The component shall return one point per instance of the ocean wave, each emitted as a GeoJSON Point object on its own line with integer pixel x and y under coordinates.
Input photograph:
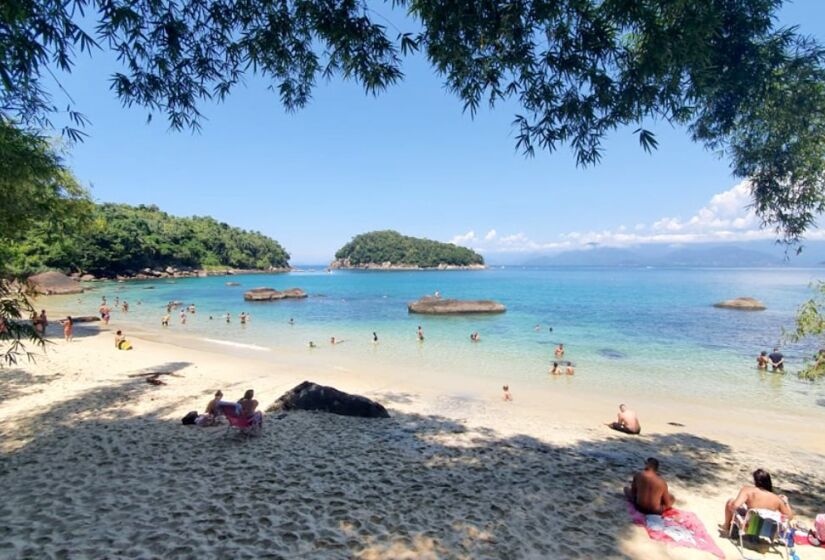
{"type": "Point", "coordinates": [236, 344]}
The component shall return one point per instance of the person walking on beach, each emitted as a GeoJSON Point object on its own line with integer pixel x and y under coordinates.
{"type": "Point", "coordinates": [648, 492]}
{"type": "Point", "coordinates": [626, 422]}
{"type": "Point", "coordinates": [420, 334]}
{"type": "Point", "coordinates": [68, 328]}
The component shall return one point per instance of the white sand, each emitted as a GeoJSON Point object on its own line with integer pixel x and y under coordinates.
{"type": "Point", "coordinates": [96, 464]}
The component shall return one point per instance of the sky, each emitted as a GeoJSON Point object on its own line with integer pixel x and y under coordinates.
{"type": "Point", "coordinates": [408, 159]}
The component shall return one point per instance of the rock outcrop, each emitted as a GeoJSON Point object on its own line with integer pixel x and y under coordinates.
{"type": "Point", "coordinates": [55, 283]}
{"type": "Point", "coordinates": [271, 294]}
{"type": "Point", "coordinates": [741, 304]}
{"type": "Point", "coordinates": [86, 319]}
{"type": "Point", "coordinates": [430, 305]}
{"type": "Point", "coordinates": [311, 396]}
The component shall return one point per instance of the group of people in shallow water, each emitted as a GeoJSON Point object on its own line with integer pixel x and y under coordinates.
{"type": "Point", "coordinates": [775, 360]}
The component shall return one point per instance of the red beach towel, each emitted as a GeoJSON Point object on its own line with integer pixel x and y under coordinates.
{"type": "Point", "coordinates": [676, 527]}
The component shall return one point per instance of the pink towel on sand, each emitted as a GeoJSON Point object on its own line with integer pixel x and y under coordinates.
{"type": "Point", "coordinates": [676, 527]}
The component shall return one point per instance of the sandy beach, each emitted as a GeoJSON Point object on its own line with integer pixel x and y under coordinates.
{"type": "Point", "coordinates": [96, 464]}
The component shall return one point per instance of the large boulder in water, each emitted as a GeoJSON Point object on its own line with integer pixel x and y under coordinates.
{"type": "Point", "coordinates": [55, 283]}
{"type": "Point", "coordinates": [431, 305]}
{"type": "Point", "coordinates": [271, 294]}
{"type": "Point", "coordinates": [311, 396]}
{"type": "Point", "coordinates": [741, 304]}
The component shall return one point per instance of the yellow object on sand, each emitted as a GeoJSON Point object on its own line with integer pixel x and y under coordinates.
{"type": "Point", "coordinates": [124, 345]}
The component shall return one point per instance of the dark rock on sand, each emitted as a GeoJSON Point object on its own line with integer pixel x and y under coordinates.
{"type": "Point", "coordinates": [741, 304]}
{"type": "Point", "coordinates": [55, 283]}
{"type": "Point", "coordinates": [431, 305]}
{"type": "Point", "coordinates": [85, 319]}
{"type": "Point", "coordinates": [311, 396]}
{"type": "Point", "coordinates": [612, 354]}
{"type": "Point", "coordinates": [271, 294]}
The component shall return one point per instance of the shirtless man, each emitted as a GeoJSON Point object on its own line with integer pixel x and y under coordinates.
{"type": "Point", "coordinates": [758, 496]}
{"type": "Point", "coordinates": [560, 351]}
{"type": "Point", "coordinates": [648, 491]}
{"type": "Point", "coordinates": [626, 422]}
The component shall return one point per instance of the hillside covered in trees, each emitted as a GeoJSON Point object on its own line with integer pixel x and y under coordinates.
{"type": "Point", "coordinates": [123, 239]}
{"type": "Point", "coordinates": [374, 249]}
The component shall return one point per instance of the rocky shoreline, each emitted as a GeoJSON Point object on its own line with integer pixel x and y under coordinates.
{"type": "Point", "coordinates": [173, 272]}
{"type": "Point", "coordinates": [345, 264]}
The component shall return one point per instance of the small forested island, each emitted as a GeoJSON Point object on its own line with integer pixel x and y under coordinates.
{"type": "Point", "coordinates": [389, 250]}
{"type": "Point", "coordinates": [119, 240]}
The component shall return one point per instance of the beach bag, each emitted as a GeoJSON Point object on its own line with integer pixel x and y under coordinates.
{"type": "Point", "coordinates": [190, 418]}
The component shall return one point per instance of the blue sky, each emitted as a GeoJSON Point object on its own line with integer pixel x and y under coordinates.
{"type": "Point", "coordinates": [409, 160]}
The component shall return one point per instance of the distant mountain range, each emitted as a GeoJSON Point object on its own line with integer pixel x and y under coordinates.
{"type": "Point", "coordinates": [755, 254]}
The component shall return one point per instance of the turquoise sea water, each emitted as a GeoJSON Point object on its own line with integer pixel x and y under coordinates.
{"type": "Point", "coordinates": [624, 329]}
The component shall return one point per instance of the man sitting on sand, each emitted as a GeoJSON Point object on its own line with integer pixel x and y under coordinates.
{"type": "Point", "coordinates": [758, 496]}
{"type": "Point", "coordinates": [210, 417]}
{"type": "Point", "coordinates": [648, 492]}
{"type": "Point", "coordinates": [626, 422]}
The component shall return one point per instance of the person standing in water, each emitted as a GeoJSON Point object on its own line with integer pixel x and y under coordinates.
{"type": "Point", "coordinates": [374, 337]}
{"type": "Point", "coordinates": [68, 328]}
{"type": "Point", "coordinates": [420, 334]}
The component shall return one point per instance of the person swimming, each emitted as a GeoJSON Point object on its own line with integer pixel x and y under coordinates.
{"type": "Point", "coordinates": [560, 351]}
{"type": "Point", "coordinates": [475, 337]}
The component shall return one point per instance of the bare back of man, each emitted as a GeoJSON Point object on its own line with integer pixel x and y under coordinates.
{"type": "Point", "coordinates": [649, 493]}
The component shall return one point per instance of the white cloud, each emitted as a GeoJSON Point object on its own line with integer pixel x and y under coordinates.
{"type": "Point", "coordinates": [728, 216]}
{"type": "Point", "coordinates": [465, 238]}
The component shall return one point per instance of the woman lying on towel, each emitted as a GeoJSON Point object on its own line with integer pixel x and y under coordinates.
{"type": "Point", "coordinates": [121, 343]}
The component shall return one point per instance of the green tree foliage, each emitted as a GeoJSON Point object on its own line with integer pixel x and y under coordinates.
{"type": "Point", "coordinates": [390, 246]}
{"type": "Point", "coordinates": [810, 323]}
{"type": "Point", "coordinates": [37, 193]}
{"type": "Point", "coordinates": [578, 69]}
{"type": "Point", "coordinates": [126, 239]}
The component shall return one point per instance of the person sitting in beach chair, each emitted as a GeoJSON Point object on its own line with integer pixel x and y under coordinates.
{"type": "Point", "coordinates": [249, 407]}
{"type": "Point", "coordinates": [648, 492]}
{"type": "Point", "coordinates": [759, 497]}
{"type": "Point", "coordinates": [242, 415]}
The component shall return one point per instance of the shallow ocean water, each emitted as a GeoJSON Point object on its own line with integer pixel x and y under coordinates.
{"type": "Point", "coordinates": [635, 329]}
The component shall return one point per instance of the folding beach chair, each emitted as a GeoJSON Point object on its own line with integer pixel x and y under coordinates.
{"type": "Point", "coordinates": [765, 527]}
{"type": "Point", "coordinates": [246, 426]}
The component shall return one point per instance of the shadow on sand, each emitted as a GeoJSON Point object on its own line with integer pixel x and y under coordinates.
{"type": "Point", "coordinates": [94, 479]}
